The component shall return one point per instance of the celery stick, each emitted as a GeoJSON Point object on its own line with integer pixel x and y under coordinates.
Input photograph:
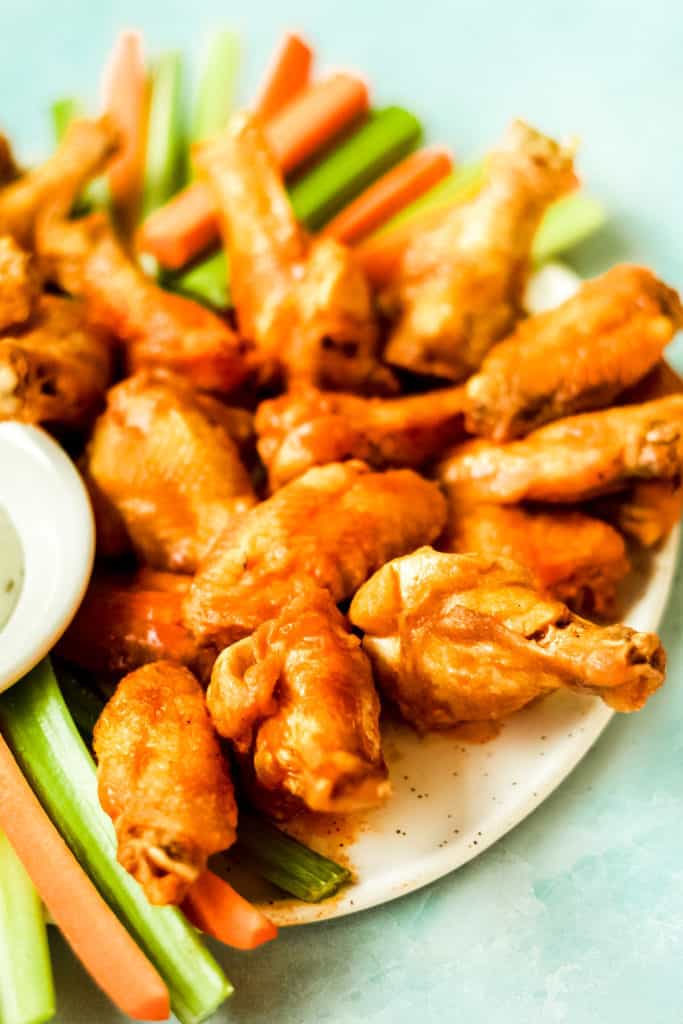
{"type": "Point", "coordinates": [63, 112]}
{"type": "Point", "coordinates": [454, 188]}
{"type": "Point", "coordinates": [165, 160]}
{"type": "Point", "coordinates": [384, 139]}
{"type": "Point", "coordinates": [569, 221]}
{"type": "Point", "coordinates": [84, 704]}
{"type": "Point", "coordinates": [217, 87]}
{"type": "Point", "coordinates": [286, 862]}
{"type": "Point", "coordinates": [27, 993]}
{"type": "Point", "coordinates": [45, 741]}
{"type": "Point", "coordinates": [207, 281]}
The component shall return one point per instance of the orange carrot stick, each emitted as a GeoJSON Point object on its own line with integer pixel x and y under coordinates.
{"type": "Point", "coordinates": [390, 193]}
{"type": "Point", "coordinates": [178, 231]}
{"type": "Point", "coordinates": [93, 931]}
{"type": "Point", "coordinates": [287, 74]}
{"type": "Point", "coordinates": [215, 908]}
{"type": "Point", "coordinates": [124, 89]}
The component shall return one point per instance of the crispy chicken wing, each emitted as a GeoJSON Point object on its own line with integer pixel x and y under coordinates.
{"type": "Point", "coordinates": [128, 620]}
{"type": "Point", "coordinates": [19, 284]}
{"type": "Point", "coordinates": [571, 556]}
{"type": "Point", "coordinates": [56, 370]}
{"type": "Point", "coordinates": [305, 304]}
{"type": "Point", "coordinates": [167, 464]}
{"type": "Point", "coordinates": [157, 328]}
{"type": "Point", "coordinates": [297, 700]}
{"type": "Point", "coordinates": [335, 525]}
{"type": "Point", "coordinates": [162, 779]}
{"type": "Point", "coordinates": [84, 151]}
{"type": "Point", "coordinates": [8, 167]}
{"type": "Point", "coordinates": [461, 283]}
{"type": "Point", "coordinates": [307, 428]}
{"type": "Point", "coordinates": [574, 459]}
{"type": "Point", "coordinates": [576, 357]}
{"type": "Point", "coordinates": [462, 638]}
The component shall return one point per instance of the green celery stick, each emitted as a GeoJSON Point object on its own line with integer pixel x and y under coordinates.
{"type": "Point", "coordinates": [84, 704]}
{"type": "Point", "coordinates": [27, 994]}
{"type": "Point", "coordinates": [165, 160]}
{"type": "Point", "coordinates": [206, 281]}
{"type": "Point", "coordinates": [63, 112]}
{"type": "Point", "coordinates": [52, 755]}
{"type": "Point", "coordinates": [385, 138]}
{"type": "Point", "coordinates": [217, 86]}
{"type": "Point", "coordinates": [567, 222]}
{"type": "Point", "coordinates": [286, 862]}
{"type": "Point", "coordinates": [455, 187]}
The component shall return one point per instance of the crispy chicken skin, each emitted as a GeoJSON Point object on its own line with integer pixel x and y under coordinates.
{"type": "Point", "coordinates": [573, 459]}
{"type": "Point", "coordinates": [576, 357]}
{"type": "Point", "coordinates": [55, 370]}
{"type": "Point", "coordinates": [157, 328]}
{"type": "Point", "coordinates": [571, 556]}
{"type": "Point", "coordinates": [334, 525]}
{"type": "Point", "coordinates": [297, 700]}
{"type": "Point", "coordinates": [19, 284]}
{"type": "Point", "coordinates": [128, 620]}
{"type": "Point", "coordinates": [462, 638]}
{"type": "Point", "coordinates": [169, 468]}
{"type": "Point", "coordinates": [461, 283]}
{"type": "Point", "coordinates": [163, 780]}
{"type": "Point", "coordinates": [306, 305]}
{"type": "Point", "coordinates": [307, 428]}
{"type": "Point", "coordinates": [84, 151]}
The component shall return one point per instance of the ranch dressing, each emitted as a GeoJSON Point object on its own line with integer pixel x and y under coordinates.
{"type": "Point", "coordinates": [11, 567]}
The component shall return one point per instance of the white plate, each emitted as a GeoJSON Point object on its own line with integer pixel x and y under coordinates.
{"type": "Point", "coordinates": [453, 799]}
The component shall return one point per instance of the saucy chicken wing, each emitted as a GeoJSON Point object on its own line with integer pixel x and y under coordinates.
{"type": "Point", "coordinates": [571, 556]}
{"type": "Point", "coordinates": [306, 305]}
{"type": "Point", "coordinates": [461, 283]}
{"type": "Point", "coordinates": [55, 370]}
{"type": "Point", "coordinates": [297, 700]}
{"type": "Point", "coordinates": [307, 428]}
{"type": "Point", "coordinates": [335, 525]}
{"type": "Point", "coordinates": [576, 357]}
{"type": "Point", "coordinates": [84, 151]}
{"type": "Point", "coordinates": [162, 779]}
{"type": "Point", "coordinates": [19, 284]}
{"type": "Point", "coordinates": [164, 460]}
{"type": "Point", "coordinates": [8, 167]}
{"type": "Point", "coordinates": [464, 638]}
{"type": "Point", "coordinates": [574, 459]}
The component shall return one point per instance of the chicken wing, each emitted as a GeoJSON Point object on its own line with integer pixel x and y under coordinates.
{"type": "Point", "coordinates": [8, 167]}
{"type": "Point", "coordinates": [128, 620]}
{"type": "Point", "coordinates": [571, 556]}
{"type": "Point", "coordinates": [335, 525]}
{"type": "Point", "coordinates": [305, 304]}
{"type": "Point", "coordinates": [297, 700]}
{"type": "Point", "coordinates": [574, 459]}
{"type": "Point", "coordinates": [84, 151]}
{"type": "Point", "coordinates": [162, 779]}
{"type": "Point", "coordinates": [56, 370]}
{"type": "Point", "coordinates": [170, 469]}
{"type": "Point", "coordinates": [19, 284]}
{"type": "Point", "coordinates": [307, 428]}
{"type": "Point", "coordinates": [461, 283]}
{"type": "Point", "coordinates": [157, 328]}
{"type": "Point", "coordinates": [463, 638]}
{"type": "Point", "coordinates": [576, 357]}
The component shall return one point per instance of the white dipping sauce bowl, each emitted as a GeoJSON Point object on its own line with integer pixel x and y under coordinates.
{"type": "Point", "coordinates": [44, 496]}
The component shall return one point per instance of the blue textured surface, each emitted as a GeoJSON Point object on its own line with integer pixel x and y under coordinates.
{"type": "Point", "coordinates": [577, 916]}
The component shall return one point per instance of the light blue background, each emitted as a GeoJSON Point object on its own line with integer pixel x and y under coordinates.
{"type": "Point", "coordinates": [577, 916]}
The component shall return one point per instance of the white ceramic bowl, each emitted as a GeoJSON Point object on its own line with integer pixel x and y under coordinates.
{"type": "Point", "coordinates": [44, 496]}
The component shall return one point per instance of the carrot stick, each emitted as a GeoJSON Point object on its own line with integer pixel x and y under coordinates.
{"type": "Point", "coordinates": [287, 74]}
{"type": "Point", "coordinates": [390, 193]}
{"type": "Point", "coordinates": [215, 908]}
{"type": "Point", "coordinates": [124, 89]}
{"type": "Point", "coordinates": [93, 931]}
{"type": "Point", "coordinates": [186, 225]}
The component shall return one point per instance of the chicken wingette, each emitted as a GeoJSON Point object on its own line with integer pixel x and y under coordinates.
{"type": "Point", "coordinates": [305, 304]}
{"type": "Point", "coordinates": [162, 457]}
{"type": "Point", "coordinates": [19, 283]}
{"type": "Point", "coordinates": [460, 286]}
{"type": "Point", "coordinates": [465, 638]}
{"type": "Point", "coordinates": [308, 427]}
{"type": "Point", "coordinates": [335, 526]}
{"type": "Point", "coordinates": [297, 701]}
{"type": "Point", "coordinates": [574, 459]}
{"type": "Point", "coordinates": [163, 780]}
{"type": "Point", "coordinates": [576, 357]}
